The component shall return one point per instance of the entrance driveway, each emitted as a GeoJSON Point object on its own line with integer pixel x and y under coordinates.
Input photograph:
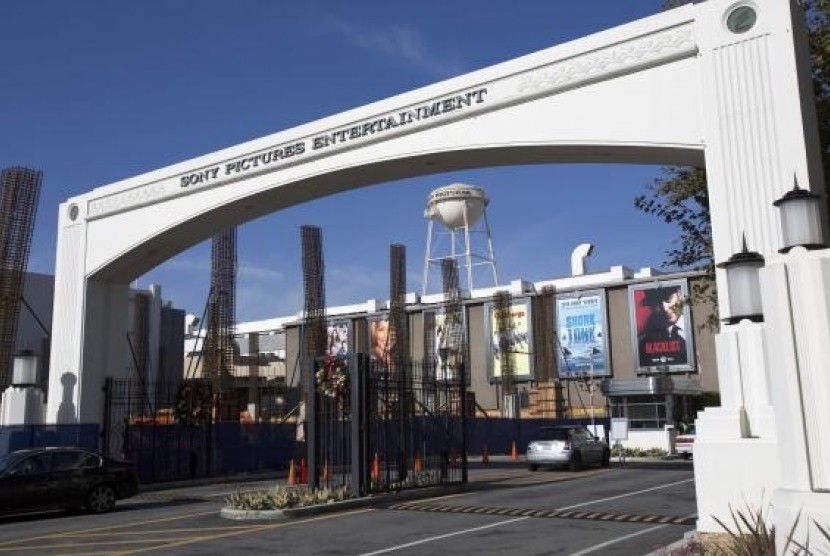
{"type": "Point", "coordinates": [633, 509]}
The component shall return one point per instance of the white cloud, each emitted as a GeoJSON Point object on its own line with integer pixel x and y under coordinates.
{"type": "Point", "coordinates": [259, 273]}
{"type": "Point", "coordinates": [398, 42]}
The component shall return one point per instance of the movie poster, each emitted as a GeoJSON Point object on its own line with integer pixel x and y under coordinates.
{"type": "Point", "coordinates": [380, 339]}
{"type": "Point", "coordinates": [337, 337]}
{"type": "Point", "coordinates": [515, 343]}
{"type": "Point", "coordinates": [661, 326]}
{"type": "Point", "coordinates": [447, 341]}
{"type": "Point", "coordinates": [582, 345]}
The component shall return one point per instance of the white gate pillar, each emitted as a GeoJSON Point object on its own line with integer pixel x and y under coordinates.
{"type": "Point", "coordinates": [796, 297]}
{"type": "Point", "coordinates": [76, 394]}
{"type": "Point", "coordinates": [89, 327]}
{"type": "Point", "coordinates": [761, 131]}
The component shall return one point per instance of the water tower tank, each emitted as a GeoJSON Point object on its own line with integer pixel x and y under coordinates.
{"type": "Point", "coordinates": [450, 203]}
{"type": "Point", "coordinates": [458, 230]}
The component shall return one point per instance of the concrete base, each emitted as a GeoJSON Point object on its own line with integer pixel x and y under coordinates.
{"type": "Point", "coordinates": [807, 508]}
{"type": "Point", "coordinates": [733, 475]}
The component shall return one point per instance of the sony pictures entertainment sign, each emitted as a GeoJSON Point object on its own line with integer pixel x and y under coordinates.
{"type": "Point", "coordinates": [303, 149]}
{"type": "Point", "coordinates": [338, 137]}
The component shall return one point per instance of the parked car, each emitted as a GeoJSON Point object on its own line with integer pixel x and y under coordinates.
{"type": "Point", "coordinates": [570, 445]}
{"type": "Point", "coordinates": [63, 478]}
{"type": "Point", "coordinates": [684, 443]}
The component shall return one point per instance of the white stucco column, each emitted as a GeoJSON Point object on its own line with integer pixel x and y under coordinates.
{"type": "Point", "coordinates": [741, 431]}
{"type": "Point", "coordinates": [89, 326]}
{"type": "Point", "coordinates": [761, 129]}
{"type": "Point", "coordinates": [67, 319]}
{"type": "Point", "coordinates": [796, 295]}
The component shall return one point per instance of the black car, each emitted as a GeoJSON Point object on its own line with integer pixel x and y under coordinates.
{"type": "Point", "coordinates": [70, 478]}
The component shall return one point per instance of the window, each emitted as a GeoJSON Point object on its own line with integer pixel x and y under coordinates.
{"type": "Point", "coordinates": [33, 465]}
{"type": "Point", "coordinates": [90, 461]}
{"type": "Point", "coordinates": [643, 412]}
{"type": "Point", "coordinates": [582, 434]}
{"type": "Point", "coordinates": [65, 461]}
{"type": "Point", "coordinates": [72, 460]}
{"type": "Point", "coordinates": [553, 434]}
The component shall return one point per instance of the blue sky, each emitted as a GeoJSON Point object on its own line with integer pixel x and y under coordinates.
{"type": "Point", "coordinates": [92, 92]}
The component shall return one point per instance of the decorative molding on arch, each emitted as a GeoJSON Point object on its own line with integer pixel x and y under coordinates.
{"type": "Point", "coordinates": [624, 57]}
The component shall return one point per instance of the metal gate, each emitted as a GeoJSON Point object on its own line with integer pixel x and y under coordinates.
{"type": "Point", "coordinates": [164, 428]}
{"type": "Point", "coordinates": [184, 430]}
{"type": "Point", "coordinates": [377, 429]}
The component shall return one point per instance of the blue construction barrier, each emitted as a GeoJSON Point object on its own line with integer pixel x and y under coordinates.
{"type": "Point", "coordinates": [176, 452]}
{"type": "Point", "coordinates": [20, 437]}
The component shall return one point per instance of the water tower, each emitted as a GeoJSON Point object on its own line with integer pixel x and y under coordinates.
{"type": "Point", "coordinates": [462, 233]}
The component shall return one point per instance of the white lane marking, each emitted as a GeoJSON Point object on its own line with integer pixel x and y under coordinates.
{"type": "Point", "coordinates": [623, 538]}
{"type": "Point", "coordinates": [618, 539]}
{"type": "Point", "coordinates": [439, 537]}
{"type": "Point", "coordinates": [624, 495]}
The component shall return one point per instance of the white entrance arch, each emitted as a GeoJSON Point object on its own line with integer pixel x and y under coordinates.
{"type": "Point", "coordinates": [679, 87]}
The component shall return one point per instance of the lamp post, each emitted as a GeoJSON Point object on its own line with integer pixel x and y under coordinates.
{"type": "Point", "coordinates": [22, 402]}
{"type": "Point", "coordinates": [800, 219]}
{"type": "Point", "coordinates": [744, 285]}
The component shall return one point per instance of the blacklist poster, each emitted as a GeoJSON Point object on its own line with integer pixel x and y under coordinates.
{"type": "Point", "coordinates": [661, 326]}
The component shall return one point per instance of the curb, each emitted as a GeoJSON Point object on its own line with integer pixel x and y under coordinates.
{"type": "Point", "coordinates": [668, 550]}
{"type": "Point", "coordinates": [206, 481]}
{"type": "Point", "coordinates": [288, 513]}
{"type": "Point", "coordinates": [330, 507]}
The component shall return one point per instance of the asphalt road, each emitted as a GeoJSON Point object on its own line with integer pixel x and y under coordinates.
{"type": "Point", "coordinates": [634, 509]}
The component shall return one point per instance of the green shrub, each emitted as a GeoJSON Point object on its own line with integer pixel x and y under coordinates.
{"type": "Point", "coordinates": [280, 498]}
{"type": "Point", "coordinates": [617, 451]}
{"type": "Point", "coordinates": [749, 535]}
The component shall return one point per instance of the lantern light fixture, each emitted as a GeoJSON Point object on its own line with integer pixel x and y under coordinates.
{"type": "Point", "coordinates": [24, 369]}
{"type": "Point", "coordinates": [744, 285]}
{"type": "Point", "coordinates": [800, 219]}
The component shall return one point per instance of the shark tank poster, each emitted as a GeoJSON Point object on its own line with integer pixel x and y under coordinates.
{"type": "Point", "coordinates": [580, 328]}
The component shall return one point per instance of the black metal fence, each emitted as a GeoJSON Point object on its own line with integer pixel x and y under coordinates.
{"type": "Point", "coordinates": [184, 430]}
{"type": "Point", "coordinates": [376, 430]}
{"type": "Point", "coordinates": [410, 427]}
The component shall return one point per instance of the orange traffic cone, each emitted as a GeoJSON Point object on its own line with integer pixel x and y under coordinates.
{"type": "Point", "coordinates": [514, 454]}
{"type": "Point", "coordinates": [376, 468]}
{"type": "Point", "coordinates": [303, 472]}
{"type": "Point", "coordinates": [292, 479]}
{"type": "Point", "coordinates": [485, 457]}
{"type": "Point", "coordinates": [418, 464]}
{"type": "Point", "coordinates": [325, 478]}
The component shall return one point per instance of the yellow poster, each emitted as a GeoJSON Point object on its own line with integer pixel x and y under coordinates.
{"type": "Point", "coordinates": [515, 343]}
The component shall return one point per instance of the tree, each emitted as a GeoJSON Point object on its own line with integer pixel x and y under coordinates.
{"type": "Point", "coordinates": [679, 195]}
